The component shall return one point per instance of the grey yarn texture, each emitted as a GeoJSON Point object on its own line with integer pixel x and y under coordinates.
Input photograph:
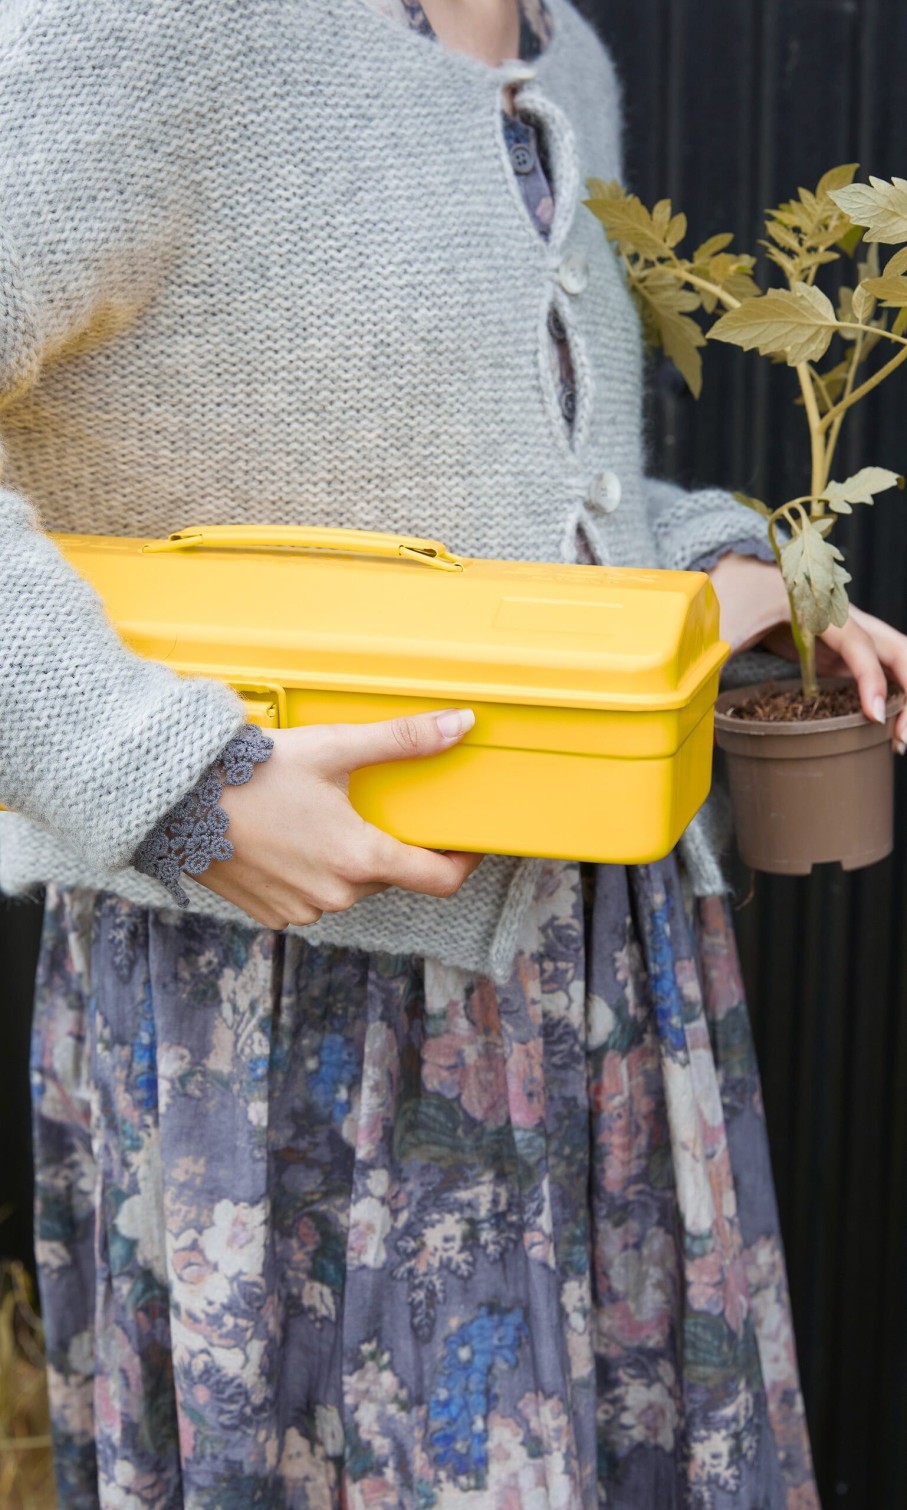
{"type": "Point", "coordinates": [244, 277]}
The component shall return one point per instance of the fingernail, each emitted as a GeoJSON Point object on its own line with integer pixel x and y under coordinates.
{"type": "Point", "coordinates": [900, 748]}
{"type": "Point", "coordinates": [878, 710]}
{"type": "Point", "coordinates": [456, 722]}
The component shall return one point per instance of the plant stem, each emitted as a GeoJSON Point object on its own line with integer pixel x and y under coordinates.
{"type": "Point", "coordinates": [858, 393]}
{"type": "Point", "coordinates": [702, 284]}
{"type": "Point", "coordinates": [806, 650]}
{"type": "Point", "coordinates": [886, 335]}
{"type": "Point", "coordinates": [804, 642]}
{"type": "Point", "coordinates": [820, 384]}
{"type": "Point", "coordinates": [819, 478]}
{"type": "Point", "coordinates": [792, 503]}
{"type": "Point", "coordinates": [832, 442]}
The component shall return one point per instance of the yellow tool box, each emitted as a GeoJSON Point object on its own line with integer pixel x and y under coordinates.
{"type": "Point", "coordinates": [593, 688]}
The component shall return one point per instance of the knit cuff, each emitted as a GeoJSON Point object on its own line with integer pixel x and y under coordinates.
{"type": "Point", "coordinates": [194, 832]}
{"type": "Point", "coordinates": [688, 527]}
{"type": "Point", "coordinates": [758, 548]}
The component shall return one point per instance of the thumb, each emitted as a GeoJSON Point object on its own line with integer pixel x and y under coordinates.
{"type": "Point", "coordinates": [354, 745]}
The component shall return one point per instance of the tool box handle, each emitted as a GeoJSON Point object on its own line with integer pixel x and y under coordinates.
{"type": "Point", "coordinates": [365, 542]}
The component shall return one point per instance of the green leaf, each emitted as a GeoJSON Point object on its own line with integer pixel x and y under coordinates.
{"type": "Point", "coordinates": [783, 236]}
{"type": "Point", "coordinates": [661, 216]}
{"type": "Point", "coordinates": [896, 264]}
{"type": "Point", "coordinates": [809, 202]}
{"type": "Point", "coordinates": [836, 178]}
{"type": "Point", "coordinates": [891, 290]}
{"type": "Point", "coordinates": [754, 503]}
{"type": "Point", "coordinates": [668, 305]}
{"type": "Point", "coordinates": [870, 265]}
{"type": "Point", "coordinates": [725, 265]}
{"type": "Point", "coordinates": [712, 247]}
{"type": "Point", "coordinates": [742, 285]}
{"type": "Point", "coordinates": [676, 231]}
{"type": "Point", "coordinates": [807, 231]}
{"type": "Point", "coordinates": [845, 309]}
{"type": "Point", "coordinates": [850, 240]}
{"type": "Point", "coordinates": [863, 303]}
{"type": "Point", "coordinates": [731, 271]}
{"type": "Point", "coordinates": [815, 580]}
{"type": "Point", "coordinates": [796, 323]}
{"type": "Point", "coordinates": [879, 206]}
{"type": "Point", "coordinates": [627, 221]}
{"type": "Point", "coordinates": [788, 265]}
{"type": "Point", "coordinates": [861, 488]}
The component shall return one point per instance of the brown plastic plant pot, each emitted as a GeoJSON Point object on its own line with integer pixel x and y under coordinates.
{"type": "Point", "coordinates": [807, 794]}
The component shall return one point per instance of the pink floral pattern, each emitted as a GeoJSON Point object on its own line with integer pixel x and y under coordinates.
{"type": "Point", "coordinates": [323, 1229]}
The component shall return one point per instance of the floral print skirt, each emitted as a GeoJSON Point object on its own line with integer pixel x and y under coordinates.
{"type": "Point", "coordinates": [319, 1228]}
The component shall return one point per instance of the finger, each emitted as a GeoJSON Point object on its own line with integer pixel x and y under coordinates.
{"type": "Point", "coordinates": [278, 916]}
{"type": "Point", "coordinates": [891, 648]}
{"type": "Point", "coordinates": [897, 669]}
{"type": "Point", "coordinates": [857, 650]}
{"type": "Point", "coordinates": [900, 726]}
{"type": "Point", "coordinates": [273, 908]}
{"type": "Point", "coordinates": [291, 913]}
{"type": "Point", "coordinates": [349, 746]}
{"type": "Point", "coordinates": [435, 873]}
{"type": "Point", "coordinates": [274, 918]}
{"type": "Point", "coordinates": [467, 860]}
{"type": "Point", "coordinates": [266, 917]}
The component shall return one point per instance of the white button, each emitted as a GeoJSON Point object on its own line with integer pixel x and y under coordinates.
{"type": "Point", "coordinates": [573, 273]}
{"type": "Point", "coordinates": [604, 493]}
{"type": "Point", "coordinates": [516, 71]}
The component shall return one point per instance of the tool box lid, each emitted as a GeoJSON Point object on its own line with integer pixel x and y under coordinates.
{"type": "Point", "coordinates": [243, 603]}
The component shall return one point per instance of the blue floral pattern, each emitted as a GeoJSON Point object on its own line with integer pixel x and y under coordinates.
{"type": "Point", "coordinates": [463, 1398]}
{"type": "Point", "coordinates": [322, 1228]}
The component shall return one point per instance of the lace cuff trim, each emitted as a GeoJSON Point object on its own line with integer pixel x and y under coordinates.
{"type": "Point", "coordinates": [194, 832]}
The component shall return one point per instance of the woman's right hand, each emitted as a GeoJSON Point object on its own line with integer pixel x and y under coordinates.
{"type": "Point", "coordinates": [299, 846]}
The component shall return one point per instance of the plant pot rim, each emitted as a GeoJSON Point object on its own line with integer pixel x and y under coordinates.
{"type": "Point", "coordinates": [809, 727]}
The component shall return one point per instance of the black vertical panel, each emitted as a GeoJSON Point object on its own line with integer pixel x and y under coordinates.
{"type": "Point", "coordinates": [20, 927]}
{"type": "Point", "coordinates": [731, 105]}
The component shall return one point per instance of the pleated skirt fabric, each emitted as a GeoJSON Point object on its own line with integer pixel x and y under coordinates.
{"type": "Point", "coordinates": [318, 1228]}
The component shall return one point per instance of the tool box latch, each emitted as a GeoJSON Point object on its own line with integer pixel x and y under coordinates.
{"type": "Point", "coordinates": [265, 702]}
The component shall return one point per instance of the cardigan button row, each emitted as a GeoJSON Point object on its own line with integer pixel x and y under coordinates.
{"type": "Point", "coordinates": [604, 493]}
{"type": "Point", "coordinates": [573, 273]}
{"type": "Point", "coordinates": [523, 158]}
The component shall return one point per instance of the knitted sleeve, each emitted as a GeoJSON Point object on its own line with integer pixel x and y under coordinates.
{"type": "Point", "coordinates": [94, 743]}
{"type": "Point", "coordinates": [703, 524]}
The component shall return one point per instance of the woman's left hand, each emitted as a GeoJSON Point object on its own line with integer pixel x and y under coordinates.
{"type": "Point", "coordinates": [755, 610]}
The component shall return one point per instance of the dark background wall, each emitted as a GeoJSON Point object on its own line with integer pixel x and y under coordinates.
{"type": "Point", "coordinates": [731, 105]}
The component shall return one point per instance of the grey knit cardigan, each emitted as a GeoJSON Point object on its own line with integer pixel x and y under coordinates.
{"type": "Point", "coordinates": [244, 277]}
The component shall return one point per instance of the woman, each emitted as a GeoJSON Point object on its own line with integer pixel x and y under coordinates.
{"type": "Point", "coordinates": [371, 1177]}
